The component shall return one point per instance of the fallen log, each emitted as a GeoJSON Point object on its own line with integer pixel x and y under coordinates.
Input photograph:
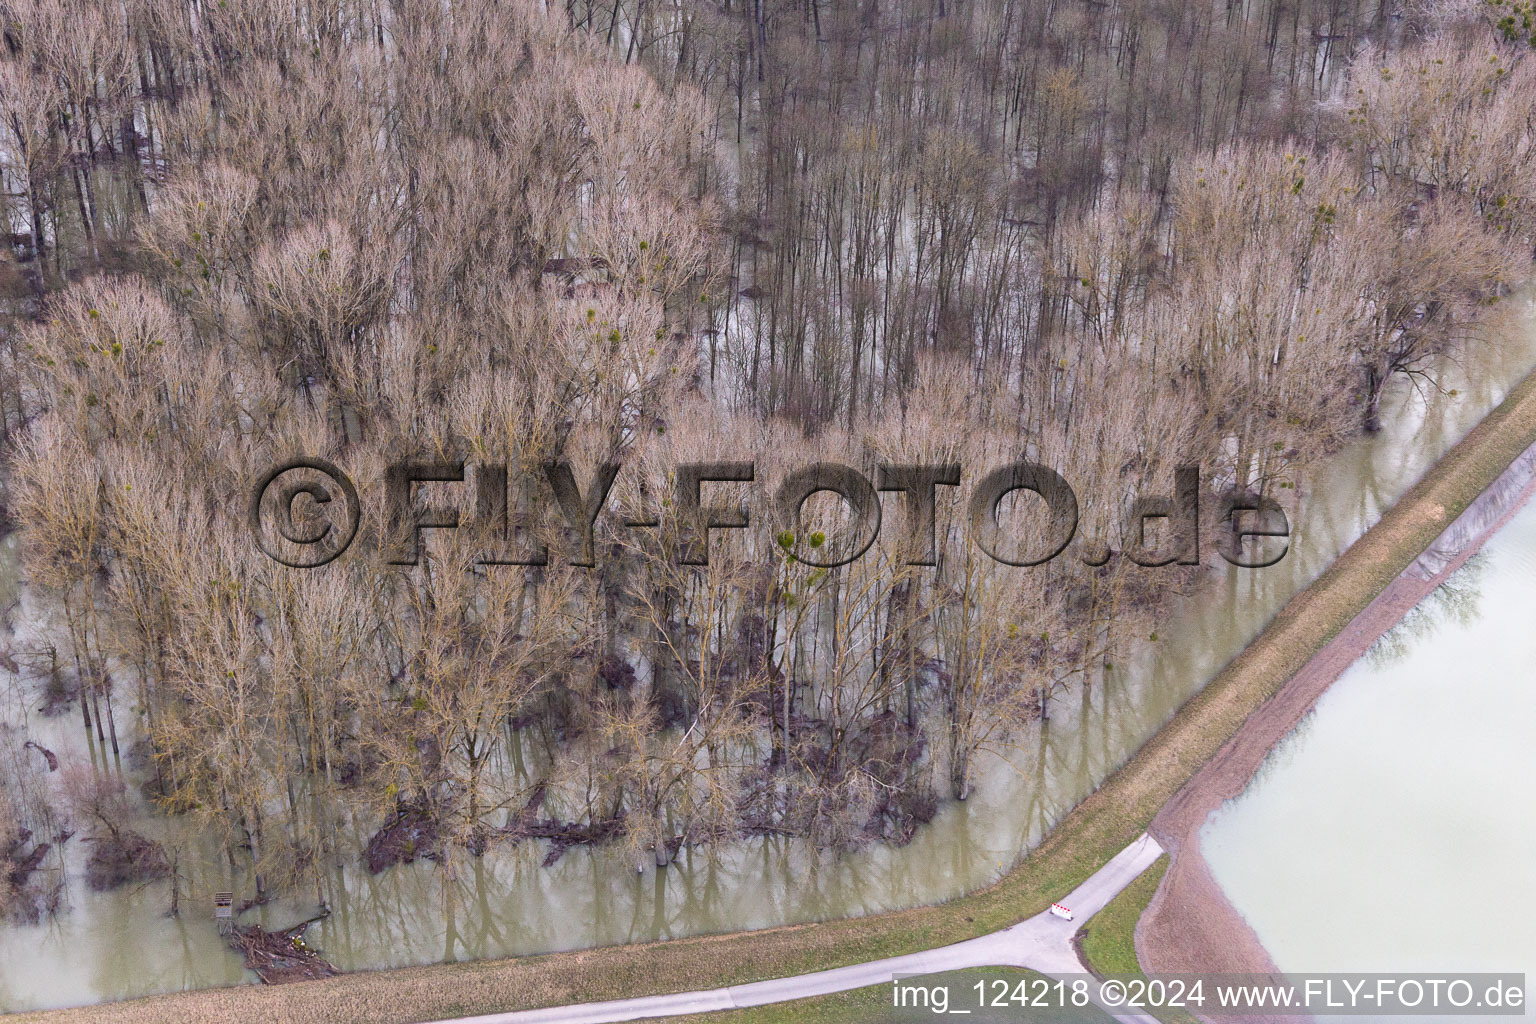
{"type": "Point", "coordinates": [48, 755]}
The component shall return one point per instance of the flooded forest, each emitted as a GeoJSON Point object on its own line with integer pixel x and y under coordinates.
{"type": "Point", "coordinates": [580, 246]}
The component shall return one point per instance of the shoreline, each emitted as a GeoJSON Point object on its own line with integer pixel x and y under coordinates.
{"type": "Point", "coordinates": [1083, 841]}
{"type": "Point", "coordinates": [1190, 926]}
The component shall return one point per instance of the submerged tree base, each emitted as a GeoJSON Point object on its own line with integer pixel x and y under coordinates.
{"type": "Point", "coordinates": [21, 900]}
{"type": "Point", "coordinates": [413, 832]}
{"type": "Point", "coordinates": [122, 857]}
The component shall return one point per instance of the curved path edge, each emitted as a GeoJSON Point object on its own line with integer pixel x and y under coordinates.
{"type": "Point", "coordinates": [1041, 943]}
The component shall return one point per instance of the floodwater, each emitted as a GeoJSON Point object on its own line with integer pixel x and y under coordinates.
{"type": "Point", "coordinates": [1393, 830]}
{"type": "Point", "coordinates": [120, 944]}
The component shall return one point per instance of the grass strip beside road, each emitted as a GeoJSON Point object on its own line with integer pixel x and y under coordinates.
{"type": "Point", "coordinates": [1084, 840]}
{"type": "Point", "coordinates": [1107, 941]}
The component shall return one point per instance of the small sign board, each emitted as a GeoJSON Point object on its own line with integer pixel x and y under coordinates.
{"type": "Point", "coordinates": [223, 905]}
{"type": "Point", "coordinates": [1061, 911]}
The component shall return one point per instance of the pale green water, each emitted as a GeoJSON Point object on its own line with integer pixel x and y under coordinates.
{"type": "Point", "coordinates": [1395, 828]}
{"type": "Point", "coordinates": [113, 945]}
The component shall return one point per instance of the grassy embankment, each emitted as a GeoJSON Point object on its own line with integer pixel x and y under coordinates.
{"type": "Point", "coordinates": [1107, 941]}
{"type": "Point", "coordinates": [1087, 837]}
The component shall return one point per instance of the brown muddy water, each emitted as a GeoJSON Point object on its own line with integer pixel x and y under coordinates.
{"type": "Point", "coordinates": [104, 946]}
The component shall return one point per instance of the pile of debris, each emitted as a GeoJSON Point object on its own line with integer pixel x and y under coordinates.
{"type": "Point", "coordinates": [283, 956]}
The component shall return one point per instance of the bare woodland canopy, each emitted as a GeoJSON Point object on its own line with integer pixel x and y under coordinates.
{"type": "Point", "coordinates": [1110, 237]}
